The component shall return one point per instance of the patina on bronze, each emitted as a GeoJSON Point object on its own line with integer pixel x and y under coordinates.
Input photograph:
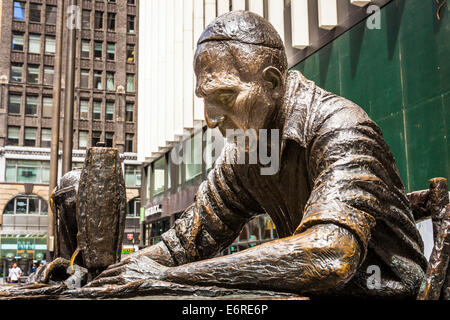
{"type": "Point", "coordinates": [337, 201]}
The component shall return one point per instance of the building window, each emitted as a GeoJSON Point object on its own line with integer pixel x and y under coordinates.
{"type": "Point", "coordinates": [96, 135]}
{"type": "Point", "coordinates": [47, 107]}
{"type": "Point", "coordinates": [84, 109]}
{"type": "Point", "coordinates": [17, 42]}
{"type": "Point", "coordinates": [129, 112]}
{"type": "Point", "coordinates": [194, 163]}
{"type": "Point", "coordinates": [27, 171]}
{"type": "Point", "coordinates": [49, 74]}
{"type": "Point", "coordinates": [85, 49]}
{"type": "Point", "coordinates": [132, 176]}
{"type": "Point", "coordinates": [50, 14]}
{"type": "Point", "coordinates": [13, 136]}
{"type": "Point", "coordinates": [33, 74]}
{"type": "Point", "coordinates": [110, 81]}
{"type": "Point", "coordinates": [31, 105]}
{"type": "Point", "coordinates": [84, 79]}
{"type": "Point", "coordinates": [86, 19]}
{"type": "Point", "coordinates": [130, 53]}
{"type": "Point", "coordinates": [98, 80]}
{"type": "Point", "coordinates": [98, 22]}
{"type": "Point", "coordinates": [35, 12]}
{"type": "Point", "coordinates": [111, 51]}
{"type": "Point", "coordinates": [129, 142]}
{"type": "Point", "coordinates": [130, 82]}
{"type": "Point", "coordinates": [134, 208]}
{"type": "Point", "coordinates": [82, 139]}
{"type": "Point", "coordinates": [19, 10]}
{"type": "Point", "coordinates": [97, 110]}
{"type": "Point", "coordinates": [26, 204]}
{"type": "Point", "coordinates": [130, 24]}
{"type": "Point", "coordinates": [14, 103]}
{"type": "Point", "coordinates": [34, 43]}
{"type": "Point", "coordinates": [46, 138]}
{"type": "Point", "coordinates": [50, 45]}
{"type": "Point", "coordinates": [109, 139]}
{"type": "Point", "coordinates": [110, 111]}
{"type": "Point", "coordinates": [131, 2]}
{"type": "Point", "coordinates": [16, 72]}
{"type": "Point", "coordinates": [158, 176]}
{"type": "Point", "coordinates": [111, 21]}
{"type": "Point", "coordinates": [30, 137]}
{"type": "Point", "coordinates": [98, 50]}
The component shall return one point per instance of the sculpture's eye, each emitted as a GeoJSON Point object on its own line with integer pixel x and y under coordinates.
{"type": "Point", "coordinates": [226, 97]}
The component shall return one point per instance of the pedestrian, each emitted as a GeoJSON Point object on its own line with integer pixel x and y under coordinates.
{"type": "Point", "coordinates": [33, 268]}
{"type": "Point", "coordinates": [14, 273]}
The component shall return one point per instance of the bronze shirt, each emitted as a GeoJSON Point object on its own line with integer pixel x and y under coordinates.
{"type": "Point", "coordinates": [335, 167]}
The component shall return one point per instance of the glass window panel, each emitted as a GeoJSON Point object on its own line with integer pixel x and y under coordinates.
{"type": "Point", "coordinates": [82, 139]}
{"type": "Point", "coordinates": [35, 12]}
{"type": "Point", "coordinates": [50, 45]}
{"type": "Point", "coordinates": [19, 10]}
{"type": "Point", "coordinates": [86, 19]}
{"type": "Point", "coordinates": [16, 73]}
{"type": "Point", "coordinates": [27, 174]}
{"type": "Point", "coordinates": [129, 112]}
{"type": "Point", "coordinates": [10, 173]}
{"type": "Point", "coordinates": [84, 109]}
{"type": "Point", "coordinates": [21, 205]}
{"type": "Point", "coordinates": [44, 208]}
{"type": "Point", "coordinates": [17, 41]}
{"type": "Point", "coordinates": [110, 111]}
{"type": "Point", "coordinates": [158, 175]}
{"type": "Point", "coordinates": [33, 205]}
{"type": "Point", "coordinates": [129, 142]}
{"type": "Point", "coordinates": [98, 80]}
{"type": "Point", "coordinates": [85, 49]}
{"type": "Point", "coordinates": [111, 21]}
{"type": "Point", "coordinates": [50, 14]}
{"type": "Point", "coordinates": [46, 138]}
{"type": "Point", "coordinates": [130, 53]}
{"type": "Point", "coordinates": [84, 79]}
{"type": "Point", "coordinates": [109, 139]}
{"type": "Point", "coordinates": [110, 81]}
{"type": "Point", "coordinates": [30, 137]}
{"type": "Point", "coordinates": [111, 51]}
{"type": "Point", "coordinates": [130, 24]}
{"type": "Point", "coordinates": [33, 74]}
{"type": "Point", "coordinates": [9, 209]}
{"type": "Point", "coordinates": [34, 43]}
{"type": "Point", "coordinates": [95, 137]}
{"type": "Point", "coordinates": [98, 50]}
{"type": "Point", "coordinates": [14, 103]}
{"type": "Point", "coordinates": [97, 110]}
{"type": "Point", "coordinates": [45, 175]}
{"type": "Point", "coordinates": [194, 163]}
{"type": "Point", "coordinates": [98, 23]}
{"type": "Point", "coordinates": [47, 107]}
{"type": "Point", "coordinates": [130, 82]}
{"type": "Point", "coordinates": [49, 74]}
{"type": "Point", "coordinates": [31, 105]}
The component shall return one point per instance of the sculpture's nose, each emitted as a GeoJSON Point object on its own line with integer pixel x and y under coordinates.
{"type": "Point", "coordinates": [213, 115]}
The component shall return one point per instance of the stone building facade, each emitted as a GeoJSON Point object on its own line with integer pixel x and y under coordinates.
{"type": "Point", "coordinates": [104, 109]}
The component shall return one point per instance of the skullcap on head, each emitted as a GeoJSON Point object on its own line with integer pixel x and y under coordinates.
{"type": "Point", "coordinates": [242, 26]}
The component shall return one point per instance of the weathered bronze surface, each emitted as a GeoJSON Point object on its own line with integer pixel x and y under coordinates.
{"type": "Point", "coordinates": [337, 200]}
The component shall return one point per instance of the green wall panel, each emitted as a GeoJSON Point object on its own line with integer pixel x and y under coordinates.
{"type": "Point", "coordinates": [399, 74]}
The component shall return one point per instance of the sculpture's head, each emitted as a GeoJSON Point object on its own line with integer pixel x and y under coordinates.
{"type": "Point", "coordinates": [241, 66]}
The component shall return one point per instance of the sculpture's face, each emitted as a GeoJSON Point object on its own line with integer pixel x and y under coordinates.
{"type": "Point", "coordinates": [234, 99]}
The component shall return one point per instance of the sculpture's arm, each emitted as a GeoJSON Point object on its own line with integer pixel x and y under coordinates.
{"type": "Point", "coordinates": [320, 258]}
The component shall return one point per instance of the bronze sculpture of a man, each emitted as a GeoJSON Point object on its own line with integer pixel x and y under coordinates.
{"type": "Point", "coordinates": [337, 200]}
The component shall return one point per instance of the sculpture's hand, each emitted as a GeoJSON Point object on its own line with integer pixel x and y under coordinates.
{"type": "Point", "coordinates": [134, 268]}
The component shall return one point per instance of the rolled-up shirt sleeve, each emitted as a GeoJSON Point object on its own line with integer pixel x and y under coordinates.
{"type": "Point", "coordinates": [353, 173]}
{"type": "Point", "coordinates": [221, 209]}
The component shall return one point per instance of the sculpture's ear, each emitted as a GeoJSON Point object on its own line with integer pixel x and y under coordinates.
{"type": "Point", "coordinates": [273, 75]}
